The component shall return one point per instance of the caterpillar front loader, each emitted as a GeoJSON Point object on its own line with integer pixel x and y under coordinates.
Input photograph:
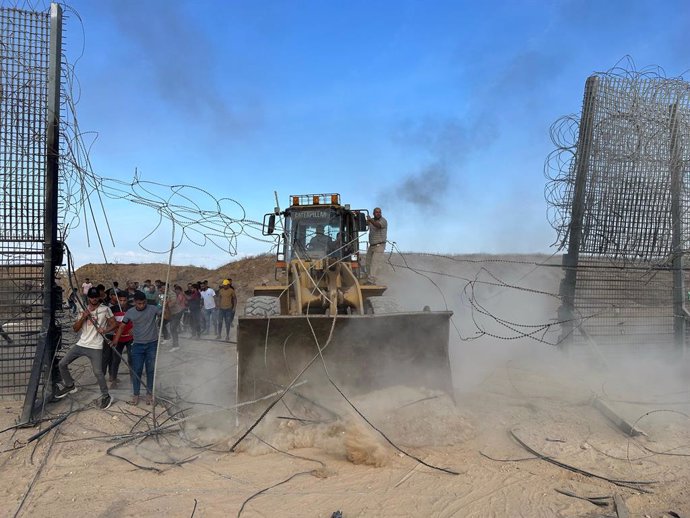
{"type": "Point", "coordinates": [322, 313]}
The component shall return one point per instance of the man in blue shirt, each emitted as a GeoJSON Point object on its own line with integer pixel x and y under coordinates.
{"type": "Point", "coordinates": [144, 345]}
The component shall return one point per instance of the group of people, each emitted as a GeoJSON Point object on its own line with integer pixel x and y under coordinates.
{"type": "Point", "coordinates": [209, 310]}
{"type": "Point", "coordinates": [114, 321]}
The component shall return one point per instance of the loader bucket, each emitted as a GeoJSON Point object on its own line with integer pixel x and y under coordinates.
{"type": "Point", "coordinates": [365, 353]}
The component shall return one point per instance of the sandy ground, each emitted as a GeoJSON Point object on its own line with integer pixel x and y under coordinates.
{"type": "Point", "coordinates": [310, 458]}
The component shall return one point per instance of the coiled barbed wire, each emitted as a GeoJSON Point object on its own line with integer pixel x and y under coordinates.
{"type": "Point", "coordinates": [628, 186]}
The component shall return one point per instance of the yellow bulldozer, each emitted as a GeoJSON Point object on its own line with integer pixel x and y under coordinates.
{"type": "Point", "coordinates": [321, 313]}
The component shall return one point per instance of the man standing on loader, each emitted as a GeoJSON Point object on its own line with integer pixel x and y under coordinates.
{"type": "Point", "coordinates": [378, 234]}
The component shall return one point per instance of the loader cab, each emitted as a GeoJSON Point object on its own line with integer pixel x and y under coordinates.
{"type": "Point", "coordinates": [314, 233]}
{"type": "Point", "coordinates": [315, 227]}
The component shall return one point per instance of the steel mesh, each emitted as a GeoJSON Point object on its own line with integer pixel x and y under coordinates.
{"type": "Point", "coordinates": [640, 126]}
{"type": "Point", "coordinates": [23, 81]}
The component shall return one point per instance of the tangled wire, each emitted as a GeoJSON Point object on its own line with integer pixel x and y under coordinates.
{"type": "Point", "coordinates": [638, 123]}
{"type": "Point", "coordinates": [191, 214]}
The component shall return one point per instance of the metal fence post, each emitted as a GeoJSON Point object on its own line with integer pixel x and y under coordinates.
{"type": "Point", "coordinates": [677, 232]}
{"type": "Point", "coordinates": [570, 260]}
{"type": "Point", "coordinates": [47, 340]}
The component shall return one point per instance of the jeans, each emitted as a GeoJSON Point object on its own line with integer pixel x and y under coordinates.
{"type": "Point", "coordinates": [112, 356]}
{"type": "Point", "coordinates": [95, 355]}
{"type": "Point", "coordinates": [175, 327]}
{"type": "Point", "coordinates": [166, 334]}
{"type": "Point", "coordinates": [140, 355]}
{"type": "Point", "coordinates": [208, 319]}
{"type": "Point", "coordinates": [195, 322]}
{"type": "Point", "coordinates": [227, 316]}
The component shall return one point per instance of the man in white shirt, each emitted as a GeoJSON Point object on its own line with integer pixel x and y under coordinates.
{"type": "Point", "coordinates": [208, 297]}
{"type": "Point", "coordinates": [94, 322]}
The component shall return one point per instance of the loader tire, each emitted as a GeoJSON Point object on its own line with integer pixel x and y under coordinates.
{"type": "Point", "coordinates": [381, 306]}
{"type": "Point", "coordinates": [262, 306]}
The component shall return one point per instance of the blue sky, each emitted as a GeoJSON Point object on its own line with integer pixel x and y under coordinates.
{"type": "Point", "coordinates": [439, 112]}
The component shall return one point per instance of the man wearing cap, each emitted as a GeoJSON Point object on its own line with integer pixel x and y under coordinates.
{"type": "Point", "coordinates": [94, 322]}
{"type": "Point", "coordinates": [227, 301]}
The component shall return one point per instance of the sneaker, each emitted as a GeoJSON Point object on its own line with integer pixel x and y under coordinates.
{"type": "Point", "coordinates": [62, 392]}
{"type": "Point", "coordinates": [174, 348]}
{"type": "Point", "coordinates": [106, 401]}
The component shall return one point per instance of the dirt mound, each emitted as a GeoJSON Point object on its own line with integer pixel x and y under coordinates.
{"type": "Point", "coordinates": [409, 417]}
{"type": "Point", "coordinates": [363, 446]}
{"type": "Point", "coordinates": [245, 273]}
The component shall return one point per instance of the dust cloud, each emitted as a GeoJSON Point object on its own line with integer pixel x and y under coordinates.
{"type": "Point", "coordinates": [506, 371]}
{"type": "Point", "coordinates": [505, 334]}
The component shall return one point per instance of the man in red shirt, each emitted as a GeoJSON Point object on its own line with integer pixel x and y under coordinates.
{"type": "Point", "coordinates": [112, 355]}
